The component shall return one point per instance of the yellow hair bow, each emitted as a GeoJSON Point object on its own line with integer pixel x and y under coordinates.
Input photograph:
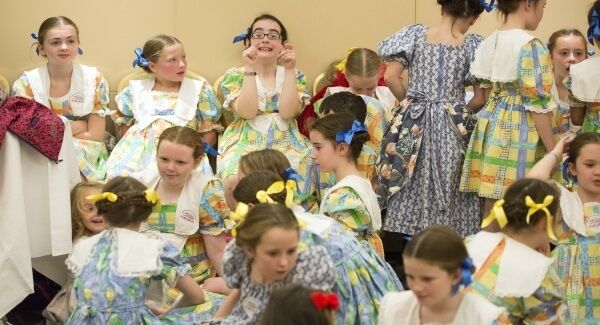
{"type": "Point", "coordinates": [535, 207]}
{"type": "Point", "coordinates": [277, 187]}
{"type": "Point", "coordinates": [152, 196]}
{"type": "Point", "coordinates": [341, 67]}
{"type": "Point", "coordinates": [241, 210]}
{"type": "Point", "coordinates": [497, 213]}
{"type": "Point", "coordinates": [109, 196]}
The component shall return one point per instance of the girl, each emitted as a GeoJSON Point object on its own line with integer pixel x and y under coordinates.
{"type": "Point", "coordinates": [422, 151]}
{"type": "Point", "coordinates": [265, 95]}
{"type": "Point", "coordinates": [437, 265]}
{"type": "Point", "coordinates": [583, 82]}
{"type": "Point", "coordinates": [75, 91]}
{"type": "Point", "coordinates": [578, 245]}
{"type": "Point", "coordinates": [337, 141]}
{"type": "Point", "coordinates": [297, 305]}
{"type": "Point", "coordinates": [567, 47]}
{"type": "Point", "coordinates": [153, 105]}
{"type": "Point", "coordinates": [193, 215]}
{"type": "Point", "coordinates": [359, 73]}
{"type": "Point", "coordinates": [512, 268]}
{"type": "Point", "coordinates": [263, 257]}
{"type": "Point", "coordinates": [113, 269]}
{"type": "Point", "coordinates": [85, 222]}
{"type": "Point", "coordinates": [514, 130]}
{"type": "Point", "coordinates": [359, 291]}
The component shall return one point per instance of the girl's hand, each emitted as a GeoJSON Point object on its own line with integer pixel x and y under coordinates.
{"type": "Point", "coordinates": [249, 56]}
{"type": "Point", "coordinates": [563, 144]}
{"type": "Point", "coordinates": [287, 57]}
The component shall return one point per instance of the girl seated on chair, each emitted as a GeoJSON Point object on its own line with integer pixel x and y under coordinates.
{"type": "Point", "coordinates": [75, 91]}
{"type": "Point", "coordinates": [149, 106]}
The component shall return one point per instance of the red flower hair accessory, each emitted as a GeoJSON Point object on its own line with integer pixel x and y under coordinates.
{"type": "Point", "coordinates": [322, 300]}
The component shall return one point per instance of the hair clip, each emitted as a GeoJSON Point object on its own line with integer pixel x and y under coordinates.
{"type": "Point", "coordinates": [348, 135]}
{"type": "Point", "coordinates": [325, 300]}
{"type": "Point", "coordinates": [497, 213]}
{"type": "Point", "coordinates": [535, 207]}
{"type": "Point", "coordinates": [290, 173]}
{"type": "Point", "coordinates": [151, 196]}
{"type": "Point", "coordinates": [594, 28]}
{"type": "Point", "coordinates": [139, 59]}
{"type": "Point", "coordinates": [109, 196]}
{"type": "Point", "coordinates": [210, 150]}
{"type": "Point", "coordinates": [239, 215]}
{"type": "Point", "coordinates": [487, 6]}
{"type": "Point", "coordinates": [241, 37]}
{"type": "Point", "coordinates": [465, 274]}
{"type": "Point", "coordinates": [341, 67]}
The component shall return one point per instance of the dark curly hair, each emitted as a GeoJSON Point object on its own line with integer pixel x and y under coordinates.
{"type": "Point", "coordinates": [516, 209]}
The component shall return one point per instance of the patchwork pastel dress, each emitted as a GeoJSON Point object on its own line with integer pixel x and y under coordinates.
{"type": "Point", "coordinates": [362, 276]}
{"type": "Point", "coordinates": [88, 95]}
{"type": "Point", "coordinates": [112, 273]}
{"type": "Point", "coordinates": [505, 144]}
{"type": "Point", "coordinates": [266, 130]}
{"type": "Point", "coordinates": [352, 202]}
{"type": "Point", "coordinates": [515, 277]}
{"type": "Point", "coordinates": [577, 259]}
{"type": "Point", "coordinates": [404, 308]}
{"type": "Point", "coordinates": [313, 269]}
{"type": "Point", "coordinates": [585, 90]}
{"type": "Point", "coordinates": [148, 113]}
{"type": "Point", "coordinates": [422, 152]}
{"type": "Point", "coordinates": [201, 210]}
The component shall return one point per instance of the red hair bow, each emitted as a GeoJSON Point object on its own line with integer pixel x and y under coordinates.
{"type": "Point", "coordinates": [323, 300]}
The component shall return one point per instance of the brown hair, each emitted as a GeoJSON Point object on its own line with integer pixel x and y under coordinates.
{"type": "Point", "coordinates": [185, 136]}
{"type": "Point", "coordinates": [153, 48]}
{"type": "Point", "coordinates": [461, 8]}
{"type": "Point", "coordinates": [50, 23]}
{"type": "Point", "coordinates": [345, 102]}
{"type": "Point", "coordinates": [516, 209]}
{"type": "Point", "coordinates": [565, 32]}
{"type": "Point", "coordinates": [292, 305]}
{"type": "Point", "coordinates": [363, 62]}
{"type": "Point", "coordinates": [262, 218]}
{"type": "Point", "coordinates": [580, 141]}
{"type": "Point", "coordinates": [248, 186]}
{"type": "Point", "coordinates": [331, 124]}
{"type": "Point", "coordinates": [77, 202]}
{"type": "Point", "coordinates": [440, 246]}
{"type": "Point", "coordinates": [266, 159]}
{"type": "Point", "coordinates": [509, 6]}
{"type": "Point", "coordinates": [131, 205]}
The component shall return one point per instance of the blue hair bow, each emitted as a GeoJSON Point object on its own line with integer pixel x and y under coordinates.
{"type": "Point", "coordinates": [139, 59]}
{"type": "Point", "coordinates": [465, 274]}
{"type": "Point", "coordinates": [487, 6]}
{"type": "Point", "coordinates": [240, 37]}
{"type": "Point", "coordinates": [210, 150]}
{"type": "Point", "coordinates": [290, 173]}
{"type": "Point", "coordinates": [594, 29]}
{"type": "Point", "coordinates": [346, 136]}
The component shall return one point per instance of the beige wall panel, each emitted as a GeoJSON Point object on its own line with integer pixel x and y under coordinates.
{"type": "Point", "coordinates": [558, 14]}
{"type": "Point", "coordinates": [320, 31]}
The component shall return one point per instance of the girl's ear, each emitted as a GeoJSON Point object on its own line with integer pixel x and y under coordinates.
{"type": "Point", "coordinates": [342, 148]}
{"type": "Point", "coordinates": [251, 252]}
{"type": "Point", "coordinates": [152, 66]}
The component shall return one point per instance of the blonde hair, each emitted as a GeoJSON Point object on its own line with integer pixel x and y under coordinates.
{"type": "Point", "coordinates": [77, 202]}
{"type": "Point", "coordinates": [153, 48]}
{"type": "Point", "coordinates": [363, 62]}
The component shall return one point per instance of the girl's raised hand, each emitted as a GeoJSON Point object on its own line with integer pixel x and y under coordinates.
{"type": "Point", "coordinates": [563, 144]}
{"type": "Point", "coordinates": [249, 56]}
{"type": "Point", "coordinates": [287, 57]}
